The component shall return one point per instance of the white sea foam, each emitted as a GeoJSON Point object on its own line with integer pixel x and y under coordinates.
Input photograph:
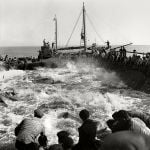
{"type": "Point", "coordinates": [72, 67]}
{"type": "Point", "coordinates": [2, 68]}
{"type": "Point", "coordinates": [53, 74]}
{"type": "Point", "coordinates": [4, 75]}
{"type": "Point", "coordinates": [84, 85]}
{"type": "Point", "coordinates": [50, 123]}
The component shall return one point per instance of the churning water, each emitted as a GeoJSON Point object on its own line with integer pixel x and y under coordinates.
{"type": "Point", "coordinates": [75, 86]}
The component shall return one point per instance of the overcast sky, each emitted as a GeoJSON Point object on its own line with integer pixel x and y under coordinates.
{"type": "Point", "coordinates": [28, 22]}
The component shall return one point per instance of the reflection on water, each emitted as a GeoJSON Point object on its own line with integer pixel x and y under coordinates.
{"type": "Point", "coordinates": [74, 87]}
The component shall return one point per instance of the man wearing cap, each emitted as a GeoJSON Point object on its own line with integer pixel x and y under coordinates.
{"type": "Point", "coordinates": [28, 130]}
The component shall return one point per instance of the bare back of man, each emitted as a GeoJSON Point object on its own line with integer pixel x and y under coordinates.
{"type": "Point", "coordinates": [126, 140]}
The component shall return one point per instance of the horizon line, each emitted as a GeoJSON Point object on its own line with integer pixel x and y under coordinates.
{"type": "Point", "coordinates": [67, 46]}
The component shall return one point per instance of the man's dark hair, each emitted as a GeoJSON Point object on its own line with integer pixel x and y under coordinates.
{"type": "Point", "coordinates": [110, 123]}
{"type": "Point", "coordinates": [119, 125]}
{"type": "Point", "coordinates": [38, 113]}
{"type": "Point", "coordinates": [84, 114]}
{"type": "Point", "coordinates": [67, 143]}
{"type": "Point", "coordinates": [121, 114]}
{"type": "Point", "coordinates": [61, 135]}
{"type": "Point", "coordinates": [42, 140]}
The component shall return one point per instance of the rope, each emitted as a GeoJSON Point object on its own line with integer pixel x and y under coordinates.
{"type": "Point", "coordinates": [95, 29]}
{"type": "Point", "coordinates": [115, 31]}
{"type": "Point", "coordinates": [74, 28]}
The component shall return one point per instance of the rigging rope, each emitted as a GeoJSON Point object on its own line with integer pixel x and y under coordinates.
{"type": "Point", "coordinates": [95, 29]}
{"type": "Point", "coordinates": [113, 29]}
{"type": "Point", "coordinates": [74, 28]}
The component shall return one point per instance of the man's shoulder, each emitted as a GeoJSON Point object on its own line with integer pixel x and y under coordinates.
{"type": "Point", "coordinates": [25, 120]}
{"type": "Point", "coordinates": [31, 120]}
{"type": "Point", "coordinates": [90, 121]}
{"type": "Point", "coordinates": [37, 121]}
{"type": "Point", "coordinates": [138, 121]}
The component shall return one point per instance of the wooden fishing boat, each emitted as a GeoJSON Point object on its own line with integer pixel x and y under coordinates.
{"type": "Point", "coordinates": [53, 56]}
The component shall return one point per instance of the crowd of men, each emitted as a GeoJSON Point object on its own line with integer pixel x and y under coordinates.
{"type": "Point", "coordinates": [126, 60]}
{"type": "Point", "coordinates": [17, 62]}
{"type": "Point", "coordinates": [116, 57]}
{"type": "Point", "coordinates": [127, 130]}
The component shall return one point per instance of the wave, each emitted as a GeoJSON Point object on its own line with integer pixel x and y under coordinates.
{"type": "Point", "coordinates": [83, 85]}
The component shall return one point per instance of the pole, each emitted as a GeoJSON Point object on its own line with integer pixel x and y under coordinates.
{"type": "Point", "coordinates": [84, 28]}
{"type": "Point", "coordinates": [55, 19]}
{"type": "Point", "coordinates": [122, 46]}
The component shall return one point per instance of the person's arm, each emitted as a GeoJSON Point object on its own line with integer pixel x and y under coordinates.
{"type": "Point", "coordinates": [101, 130]}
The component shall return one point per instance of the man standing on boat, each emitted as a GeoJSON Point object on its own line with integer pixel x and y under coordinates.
{"type": "Point", "coordinates": [124, 51]}
{"type": "Point", "coordinates": [108, 44]}
{"type": "Point", "coordinates": [44, 43]}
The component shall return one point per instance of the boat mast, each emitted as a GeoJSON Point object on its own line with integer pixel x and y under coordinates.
{"type": "Point", "coordinates": [84, 28]}
{"type": "Point", "coordinates": [55, 19]}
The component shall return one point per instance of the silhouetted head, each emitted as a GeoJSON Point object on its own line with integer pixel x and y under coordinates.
{"type": "Point", "coordinates": [67, 143]}
{"type": "Point", "coordinates": [84, 114]}
{"type": "Point", "coordinates": [110, 123]}
{"type": "Point", "coordinates": [61, 135]}
{"type": "Point", "coordinates": [119, 125]}
{"type": "Point", "coordinates": [65, 140]}
{"type": "Point", "coordinates": [38, 113]}
{"type": "Point", "coordinates": [42, 140]}
{"type": "Point", "coordinates": [121, 114]}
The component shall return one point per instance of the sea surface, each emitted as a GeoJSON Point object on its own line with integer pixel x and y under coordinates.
{"type": "Point", "coordinates": [77, 85]}
{"type": "Point", "coordinates": [23, 51]}
{"type": "Point", "coordinates": [20, 51]}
